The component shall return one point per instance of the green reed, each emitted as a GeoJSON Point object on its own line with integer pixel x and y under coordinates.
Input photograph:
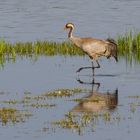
{"type": "Point", "coordinates": [128, 46]}
{"type": "Point", "coordinates": [38, 48]}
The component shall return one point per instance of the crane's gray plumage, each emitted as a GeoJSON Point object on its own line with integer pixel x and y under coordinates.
{"type": "Point", "coordinates": [94, 48]}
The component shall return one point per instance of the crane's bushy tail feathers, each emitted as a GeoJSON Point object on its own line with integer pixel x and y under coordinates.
{"type": "Point", "coordinates": [111, 40]}
{"type": "Point", "coordinates": [113, 48]}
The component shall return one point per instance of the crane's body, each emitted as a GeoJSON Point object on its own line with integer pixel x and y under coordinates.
{"type": "Point", "coordinates": [93, 47]}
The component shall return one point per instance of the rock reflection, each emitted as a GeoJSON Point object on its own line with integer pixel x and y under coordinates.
{"type": "Point", "coordinates": [97, 101]}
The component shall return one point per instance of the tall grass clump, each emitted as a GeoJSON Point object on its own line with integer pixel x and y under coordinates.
{"type": "Point", "coordinates": [9, 51]}
{"type": "Point", "coordinates": [129, 45]}
{"type": "Point", "coordinates": [125, 43]}
{"type": "Point", "coordinates": [38, 48]}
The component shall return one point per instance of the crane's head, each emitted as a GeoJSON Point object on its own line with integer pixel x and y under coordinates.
{"type": "Point", "coordinates": [69, 26]}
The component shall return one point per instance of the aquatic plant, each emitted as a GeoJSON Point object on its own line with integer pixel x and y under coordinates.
{"type": "Point", "coordinates": [13, 115]}
{"type": "Point", "coordinates": [128, 46]}
{"type": "Point", "coordinates": [40, 101]}
{"type": "Point", "coordinates": [42, 105]}
{"type": "Point", "coordinates": [37, 48]}
{"type": "Point", "coordinates": [68, 122]}
{"type": "Point", "coordinates": [76, 122]}
{"type": "Point", "coordinates": [63, 92]}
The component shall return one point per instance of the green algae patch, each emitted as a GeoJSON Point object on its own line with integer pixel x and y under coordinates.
{"type": "Point", "coordinates": [12, 115]}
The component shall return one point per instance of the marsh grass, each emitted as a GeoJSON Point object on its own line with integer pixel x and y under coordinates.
{"type": "Point", "coordinates": [128, 46]}
{"type": "Point", "coordinates": [38, 48]}
{"type": "Point", "coordinates": [10, 52]}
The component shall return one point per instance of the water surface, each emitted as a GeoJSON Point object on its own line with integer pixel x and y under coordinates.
{"type": "Point", "coordinates": [32, 20]}
{"type": "Point", "coordinates": [28, 78]}
{"type": "Point", "coordinates": [23, 82]}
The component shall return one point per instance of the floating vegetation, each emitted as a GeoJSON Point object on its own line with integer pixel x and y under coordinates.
{"type": "Point", "coordinates": [135, 104]}
{"type": "Point", "coordinates": [12, 115]}
{"type": "Point", "coordinates": [77, 122]}
{"type": "Point", "coordinates": [42, 105]}
{"type": "Point", "coordinates": [63, 92]}
{"type": "Point", "coordinates": [18, 110]}
{"type": "Point", "coordinates": [36, 101]}
{"type": "Point", "coordinates": [134, 96]}
{"type": "Point", "coordinates": [68, 122]}
{"type": "Point", "coordinates": [14, 101]}
{"type": "Point", "coordinates": [29, 101]}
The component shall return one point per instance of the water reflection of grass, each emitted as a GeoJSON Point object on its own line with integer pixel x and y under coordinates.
{"type": "Point", "coordinates": [128, 45]}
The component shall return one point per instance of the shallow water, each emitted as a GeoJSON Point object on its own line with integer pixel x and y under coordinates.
{"type": "Point", "coordinates": [22, 83]}
{"type": "Point", "coordinates": [26, 77]}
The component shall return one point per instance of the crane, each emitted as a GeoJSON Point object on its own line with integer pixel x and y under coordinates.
{"type": "Point", "coordinates": [93, 47]}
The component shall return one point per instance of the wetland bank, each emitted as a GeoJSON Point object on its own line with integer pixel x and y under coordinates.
{"type": "Point", "coordinates": [41, 96]}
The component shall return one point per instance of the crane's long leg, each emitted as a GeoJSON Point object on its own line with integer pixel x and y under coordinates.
{"type": "Point", "coordinates": [93, 67]}
{"type": "Point", "coordinates": [98, 65]}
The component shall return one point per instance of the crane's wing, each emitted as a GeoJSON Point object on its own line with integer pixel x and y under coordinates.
{"type": "Point", "coordinates": [95, 46]}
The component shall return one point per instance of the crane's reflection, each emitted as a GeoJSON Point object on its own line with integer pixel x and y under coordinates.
{"type": "Point", "coordinates": [97, 101]}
